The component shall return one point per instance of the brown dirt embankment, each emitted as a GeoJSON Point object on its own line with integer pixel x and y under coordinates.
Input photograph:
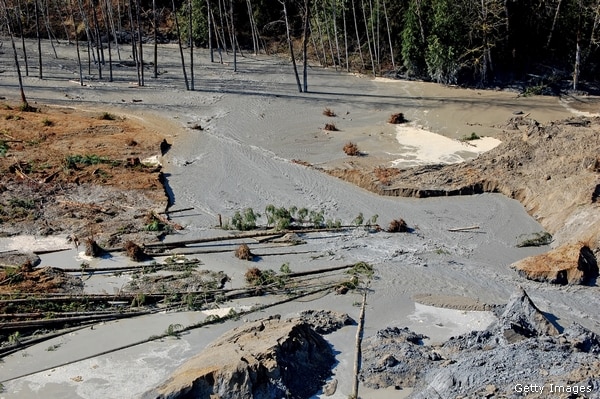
{"type": "Point", "coordinates": [80, 173]}
{"type": "Point", "coordinates": [552, 169]}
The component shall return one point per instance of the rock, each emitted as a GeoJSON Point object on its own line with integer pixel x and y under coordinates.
{"type": "Point", "coordinates": [522, 319]}
{"type": "Point", "coordinates": [331, 387]}
{"type": "Point", "coordinates": [394, 357]}
{"type": "Point", "coordinates": [260, 360]}
{"type": "Point", "coordinates": [326, 321]}
{"type": "Point", "coordinates": [483, 362]}
{"type": "Point", "coordinates": [567, 264]}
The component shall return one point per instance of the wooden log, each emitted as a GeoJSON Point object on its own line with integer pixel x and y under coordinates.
{"type": "Point", "coordinates": [358, 346]}
{"type": "Point", "coordinates": [464, 228]}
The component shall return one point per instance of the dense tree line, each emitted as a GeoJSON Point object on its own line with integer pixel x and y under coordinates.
{"type": "Point", "coordinates": [476, 42]}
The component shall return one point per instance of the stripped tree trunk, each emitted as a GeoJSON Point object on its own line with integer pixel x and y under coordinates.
{"type": "Point", "coordinates": [335, 33]}
{"type": "Point", "coordinates": [387, 24]}
{"type": "Point", "coordinates": [362, 59]}
{"type": "Point", "coordinates": [24, 103]}
{"type": "Point", "coordinates": [577, 63]}
{"type": "Point", "coordinates": [46, 18]}
{"type": "Point", "coordinates": [22, 37]}
{"type": "Point", "coordinates": [209, 22]}
{"type": "Point", "coordinates": [76, 43]}
{"type": "Point", "coordinates": [322, 41]}
{"type": "Point", "coordinates": [39, 39]}
{"type": "Point", "coordinates": [233, 40]}
{"type": "Point", "coordinates": [290, 44]}
{"type": "Point", "coordinates": [104, 9]}
{"type": "Point", "coordinates": [187, 86]}
{"type": "Point", "coordinates": [98, 40]}
{"type": "Point", "coordinates": [345, 39]}
{"type": "Point", "coordinates": [140, 33]}
{"type": "Point", "coordinates": [191, 42]}
{"type": "Point", "coordinates": [155, 19]}
{"type": "Point", "coordinates": [134, 42]}
{"type": "Point", "coordinates": [305, 44]}
{"type": "Point", "coordinates": [368, 38]}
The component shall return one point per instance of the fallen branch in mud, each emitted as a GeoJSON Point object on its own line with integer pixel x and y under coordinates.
{"type": "Point", "coordinates": [183, 243]}
{"type": "Point", "coordinates": [358, 346]}
{"type": "Point", "coordinates": [464, 228]}
{"type": "Point", "coordinates": [208, 321]}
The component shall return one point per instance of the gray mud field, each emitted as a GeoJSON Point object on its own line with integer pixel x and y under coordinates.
{"type": "Point", "coordinates": [254, 125]}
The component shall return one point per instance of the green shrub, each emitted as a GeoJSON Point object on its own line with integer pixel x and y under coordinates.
{"type": "Point", "coordinates": [471, 137]}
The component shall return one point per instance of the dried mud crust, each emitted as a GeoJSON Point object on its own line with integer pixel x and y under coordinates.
{"type": "Point", "coordinates": [68, 171]}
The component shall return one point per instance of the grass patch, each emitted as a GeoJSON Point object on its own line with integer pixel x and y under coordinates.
{"type": "Point", "coordinates": [47, 122]}
{"type": "Point", "coordinates": [174, 330]}
{"type": "Point", "coordinates": [3, 148]}
{"type": "Point", "coordinates": [72, 161]}
{"type": "Point", "coordinates": [351, 149]}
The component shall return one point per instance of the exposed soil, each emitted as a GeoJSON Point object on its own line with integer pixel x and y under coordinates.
{"type": "Point", "coordinates": [78, 173]}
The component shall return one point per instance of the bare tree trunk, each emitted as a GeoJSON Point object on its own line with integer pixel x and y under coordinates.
{"type": "Point", "coordinates": [22, 37]}
{"type": "Point", "coordinates": [217, 37]}
{"type": "Point", "coordinates": [63, 19]}
{"type": "Point", "coordinates": [374, 38]}
{"type": "Point", "coordinates": [98, 40]}
{"type": "Point", "coordinates": [387, 24]}
{"type": "Point", "coordinates": [39, 39]}
{"type": "Point", "coordinates": [155, 20]}
{"type": "Point", "coordinates": [191, 43]}
{"type": "Point", "coordinates": [326, 21]}
{"type": "Point", "coordinates": [305, 44]}
{"type": "Point", "coordinates": [44, 8]}
{"type": "Point", "coordinates": [140, 34]}
{"type": "Point", "coordinates": [24, 103]}
{"type": "Point", "coordinates": [358, 346]}
{"type": "Point", "coordinates": [76, 43]}
{"type": "Point", "coordinates": [322, 42]}
{"type": "Point", "coordinates": [368, 38]}
{"type": "Point", "coordinates": [335, 33]}
{"type": "Point", "coordinates": [314, 43]}
{"type": "Point", "coordinates": [88, 34]}
{"type": "Point", "coordinates": [187, 86]}
{"type": "Point", "coordinates": [104, 10]}
{"type": "Point", "coordinates": [346, 39]}
{"type": "Point", "coordinates": [362, 59]}
{"type": "Point", "coordinates": [553, 23]}
{"type": "Point", "coordinates": [221, 13]}
{"type": "Point", "coordinates": [111, 19]}
{"type": "Point", "coordinates": [577, 63]}
{"type": "Point", "coordinates": [290, 44]}
{"type": "Point", "coordinates": [233, 40]}
{"type": "Point", "coordinates": [253, 30]}
{"type": "Point", "coordinates": [134, 42]}
{"type": "Point", "coordinates": [209, 22]}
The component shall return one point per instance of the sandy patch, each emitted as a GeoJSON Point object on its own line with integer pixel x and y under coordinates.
{"type": "Point", "coordinates": [421, 147]}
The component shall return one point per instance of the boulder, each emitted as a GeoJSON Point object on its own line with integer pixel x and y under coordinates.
{"type": "Point", "coordinates": [265, 359]}
{"type": "Point", "coordinates": [567, 264]}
